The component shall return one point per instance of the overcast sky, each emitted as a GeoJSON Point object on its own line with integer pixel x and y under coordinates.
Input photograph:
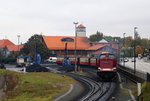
{"type": "Point", "coordinates": [56, 17]}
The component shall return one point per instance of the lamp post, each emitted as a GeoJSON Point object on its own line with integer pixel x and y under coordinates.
{"type": "Point", "coordinates": [134, 49]}
{"type": "Point", "coordinates": [66, 50]}
{"type": "Point", "coordinates": [75, 23]}
{"type": "Point", "coordinates": [124, 49]}
{"type": "Point", "coordinates": [66, 40]}
{"type": "Point", "coordinates": [18, 42]}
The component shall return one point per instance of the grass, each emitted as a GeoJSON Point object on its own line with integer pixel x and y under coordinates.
{"type": "Point", "coordinates": [145, 91]}
{"type": "Point", "coordinates": [37, 86]}
{"type": "Point", "coordinates": [3, 71]}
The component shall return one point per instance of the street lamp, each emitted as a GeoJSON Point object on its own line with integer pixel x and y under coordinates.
{"type": "Point", "coordinates": [75, 23]}
{"type": "Point", "coordinates": [18, 46]}
{"type": "Point", "coordinates": [124, 49]}
{"type": "Point", "coordinates": [66, 40]}
{"type": "Point", "coordinates": [18, 42]}
{"type": "Point", "coordinates": [65, 50]}
{"type": "Point", "coordinates": [134, 49]}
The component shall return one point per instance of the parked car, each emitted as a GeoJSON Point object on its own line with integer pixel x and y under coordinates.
{"type": "Point", "coordinates": [140, 56]}
{"type": "Point", "coordinates": [51, 59]}
{"type": "Point", "coordinates": [2, 66]}
{"type": "Point", "coordinates": [132, 60]}
{"type": "Point", "coordinates": [126, 60]}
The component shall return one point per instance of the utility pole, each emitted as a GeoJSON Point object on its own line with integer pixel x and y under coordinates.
{"type": "Point", "coordinates": [75, 23]}
{"type": "Point", "coordinates": [124, 49]}
{"type": "Point", "coordinates": [134, 49]}
{"type": "Point", "coordinates": [18, 43]}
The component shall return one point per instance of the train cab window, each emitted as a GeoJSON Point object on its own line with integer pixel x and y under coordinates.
{"type": "Point", "coordinates": [107, 55]}
{"type": "Point", "coordinates": [103, 56]}
{"type": "Point", "coordinates": [111, 56]}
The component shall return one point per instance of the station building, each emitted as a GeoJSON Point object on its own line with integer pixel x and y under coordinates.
{"type": "Point", "coordinates": [7, 47]}
{"type": "Point", "coordinates": [66, 45]}
{"type": "Point", "coordinates": [103, 46]}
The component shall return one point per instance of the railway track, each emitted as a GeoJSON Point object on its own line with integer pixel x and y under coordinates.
{"type": "Point", "coordinates": [98, 91]}
{"type": "Point", "coordinates": [95, 89]}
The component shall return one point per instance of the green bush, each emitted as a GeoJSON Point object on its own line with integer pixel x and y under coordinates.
{"type": "Point", "coordinates": [8, 60]}
{"type": "Point", "coordinates": [145, 91]}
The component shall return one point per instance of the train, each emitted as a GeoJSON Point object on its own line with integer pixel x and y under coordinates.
{"type": "Point", "coordinates": [105, 64]}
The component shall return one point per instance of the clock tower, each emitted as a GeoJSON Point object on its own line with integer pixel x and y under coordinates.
{"type": "Point", "coordinates": [81, 31]}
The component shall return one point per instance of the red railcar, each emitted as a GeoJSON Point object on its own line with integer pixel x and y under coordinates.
{"type": "Point", "coordinates": [60, 60]}
{"type": "Point", "coordinates": [93, 62]}
{"type": "Point", "coordinates": [83, 61]}
{"type": "Point", "coordinates": [107, 66]}
{"type": "Point", "coordinates": [72, 60]}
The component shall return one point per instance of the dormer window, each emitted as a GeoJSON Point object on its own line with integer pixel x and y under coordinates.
{"type": "Point", "coordinates": [67, 40]}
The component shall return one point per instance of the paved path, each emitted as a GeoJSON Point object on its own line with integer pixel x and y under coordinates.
{"type": "Point", "coordinates": [13, 68]}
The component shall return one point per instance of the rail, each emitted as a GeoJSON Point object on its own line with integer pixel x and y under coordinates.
{"type": "Point", "coordinates": [98, 91]}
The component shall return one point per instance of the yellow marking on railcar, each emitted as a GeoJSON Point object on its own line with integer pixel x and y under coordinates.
{"type": "Point", "coordinates": [93, 60]}
{"type": "Point", "coordinates": [84, 60]}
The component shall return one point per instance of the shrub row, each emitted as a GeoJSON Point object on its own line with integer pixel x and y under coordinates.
{"type": "Point", "coordinates": [8, 60]}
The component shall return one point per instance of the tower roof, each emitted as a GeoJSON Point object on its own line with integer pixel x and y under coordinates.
{"type": "Point", "coordinates": [80, 26]}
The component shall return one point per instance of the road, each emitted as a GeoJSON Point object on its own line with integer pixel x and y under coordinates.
{"type": "Point", "coordinates": [13, 68]}
{"type": "Point", "coordinates": [141, 65]}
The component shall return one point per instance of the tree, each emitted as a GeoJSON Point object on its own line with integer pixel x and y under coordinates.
{"type": "Point", "coordinates": [117, 39]}
{"type": "Point", "coordinates": [144, 43]}
{"type": "Point", "coordinates": [96, 37]}
{"type": "Point", "coordinates": [138, 50]}
{"type": "Point", "coordinates": [1, 53]}
{"type": "Point", "coordinates": [128, 41]}
{"type": "Point", "coordinates": [38, 42]}
{"type": "Point", "coordinates": [108, 38]}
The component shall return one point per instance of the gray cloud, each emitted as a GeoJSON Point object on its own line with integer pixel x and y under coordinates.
{"type": "Point", "coordinates": [55, 17]}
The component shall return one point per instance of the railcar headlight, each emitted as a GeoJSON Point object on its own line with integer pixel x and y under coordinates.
{"type": "Point", "coordinates": [99, 68]}
{"type": "Point", "coordinates": [115, 69]}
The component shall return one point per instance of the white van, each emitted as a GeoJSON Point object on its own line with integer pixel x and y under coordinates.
{"type": "Point", "coordinates": [52, 59]}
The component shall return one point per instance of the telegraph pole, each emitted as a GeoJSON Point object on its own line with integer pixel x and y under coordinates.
{"type": "Point", "coordinates": [134, 50]}
{"type": "Point", "coordinates": [18, 43]}
{"type": "Point", "coordinates": [75, 23]}
{"type": "Point", "coordinates": [124, 49]}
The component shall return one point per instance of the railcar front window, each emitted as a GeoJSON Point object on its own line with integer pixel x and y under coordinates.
{"type": "Point", "coordinates": [111, 56]}
{"type": "Point", "coordinates": [102, 56]}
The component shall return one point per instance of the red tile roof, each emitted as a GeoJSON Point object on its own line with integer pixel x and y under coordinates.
{"type": "Point", "coordinates": [96, 47]}
{"type": "Point", "coordinates": [11, 46]}
{"type": "Point", "coordinates": [80, 26]}
{"type": "Point", "coordinates": [14, 47]}
{"type": "Point", "coordinates": [5, 42]}
{"type": "Point", "coordinates": [55, 43]}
